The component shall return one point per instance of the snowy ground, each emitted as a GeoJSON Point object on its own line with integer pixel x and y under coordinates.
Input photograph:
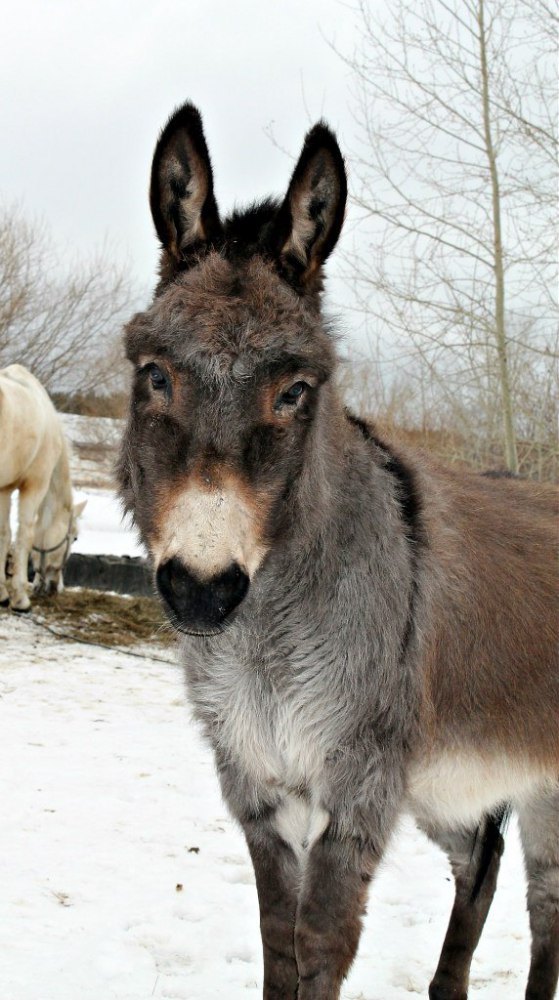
{"type": "Point", "coordinates": [102, 527]}
{"type": "Point", "coordinates": [123, 877]}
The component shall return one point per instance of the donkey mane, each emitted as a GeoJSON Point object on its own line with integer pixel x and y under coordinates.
{"type": "Point", "coordinates": [247, 230]}
{"type": "Point", "coordinates": [244, 233]}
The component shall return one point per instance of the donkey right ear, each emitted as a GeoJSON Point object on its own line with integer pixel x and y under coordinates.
{"type": "Point", "coordinates": [182, 201]}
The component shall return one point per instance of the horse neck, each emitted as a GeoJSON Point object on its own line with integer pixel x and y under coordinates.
{"type": "Point", "coordinates": [59, 493]}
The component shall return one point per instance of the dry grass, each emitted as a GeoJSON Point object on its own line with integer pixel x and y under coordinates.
{"type": "Point", "coordinates": [93, 616]}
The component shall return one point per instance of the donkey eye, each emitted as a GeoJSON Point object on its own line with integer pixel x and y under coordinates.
{"type": "Point", "coordinates": [157, 377]}
{"type": "Point", "coordinates": [292, 395]}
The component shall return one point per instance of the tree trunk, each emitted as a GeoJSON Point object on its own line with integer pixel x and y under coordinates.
{"type": "Point", "coordinates": [511, 456]}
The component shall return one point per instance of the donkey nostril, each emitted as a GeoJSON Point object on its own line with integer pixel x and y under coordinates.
{"type": "Point", "coordinates": [231, 586]}
{"type": "Point", "coordinates": [201, 604]}
{"type": "Point", "coordinates": [178, 585]}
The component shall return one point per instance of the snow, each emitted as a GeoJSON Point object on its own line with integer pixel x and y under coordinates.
{"type": "Point", "coordinates": [123, 878]}
{"type": "Point", "coordinates": [103, 528]}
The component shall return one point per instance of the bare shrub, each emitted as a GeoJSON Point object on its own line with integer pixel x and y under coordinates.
{"type": "Point", "coordinates": [62, 324]}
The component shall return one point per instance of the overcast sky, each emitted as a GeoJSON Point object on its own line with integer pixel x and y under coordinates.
{"type": "Point", "coordinates": [86, 86]}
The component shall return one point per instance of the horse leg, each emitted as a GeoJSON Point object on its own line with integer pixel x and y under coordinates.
{"type": "Point", "coordinates": [474, 857]}
{"type": "Point", "coordinates": [30, 499]}
{"type": "Point", "coordinates": [5, 498]}
{"type": "Point", "coordinates": [539, 831]}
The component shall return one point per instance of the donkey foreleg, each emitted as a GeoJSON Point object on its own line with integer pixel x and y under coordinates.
{"type": "Point", "coordinates": [277, 876]}
{"type": "Point", "coordinates": [329, 914]}
{"type": "Point", "coordinates": [311, 905]}
{"type": "Point", "coordinates": [475, 859]}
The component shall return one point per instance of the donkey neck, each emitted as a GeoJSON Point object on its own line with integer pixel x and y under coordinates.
{"type": "Point", "coordinates": [324, 494]}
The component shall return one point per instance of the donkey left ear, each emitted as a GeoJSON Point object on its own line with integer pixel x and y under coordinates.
{"type": "Point", "coordinates": [310, 219]}
{"type": "Point", "coordinates": [182, 199]}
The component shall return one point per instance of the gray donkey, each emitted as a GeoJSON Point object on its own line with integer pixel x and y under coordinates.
{"type": "Point", "coordinates": [363, 631]}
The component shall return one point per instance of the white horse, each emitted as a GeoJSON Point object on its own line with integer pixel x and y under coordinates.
{"type": "Point", "coordinates": [34, 461]}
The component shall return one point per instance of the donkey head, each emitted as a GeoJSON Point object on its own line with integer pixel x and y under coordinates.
{"type": "Point", "coordinates": [232, 370]}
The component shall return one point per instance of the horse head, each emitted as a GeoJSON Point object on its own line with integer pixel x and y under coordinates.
{"type": "Point", "coordinates": [51, 549]}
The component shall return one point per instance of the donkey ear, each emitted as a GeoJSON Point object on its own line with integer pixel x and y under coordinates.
{"type": "Point", "coordinates": [182, 201]}
{"type": "Point", "coordinates": [310, 218]}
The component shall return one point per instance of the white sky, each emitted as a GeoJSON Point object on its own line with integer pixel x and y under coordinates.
{"type": "Point", "coordinates": [87, 85]}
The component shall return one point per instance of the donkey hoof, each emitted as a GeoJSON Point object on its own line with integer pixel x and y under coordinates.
{"type": "Point", "coordinates": [5, 602]}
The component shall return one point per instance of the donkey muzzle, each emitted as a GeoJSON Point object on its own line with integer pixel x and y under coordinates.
{"type": "Point", "coordinates": [200, 606]}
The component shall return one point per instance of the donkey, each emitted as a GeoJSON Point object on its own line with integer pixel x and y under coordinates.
{"type": "Point", "coordinates": [34, 460]}
{"type": "Point", "coordinates": [363, 631]}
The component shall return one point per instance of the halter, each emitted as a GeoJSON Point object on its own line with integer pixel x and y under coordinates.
{"type": "Point", "coordinates": [45, 552]}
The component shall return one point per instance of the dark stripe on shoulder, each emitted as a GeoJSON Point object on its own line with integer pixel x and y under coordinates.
{"type": "Point", "coordinates": [408, 496]}
{"type": "Point", "coordinates": [410, 511]}
{"type": "Point", "coordinates": [362, 425]}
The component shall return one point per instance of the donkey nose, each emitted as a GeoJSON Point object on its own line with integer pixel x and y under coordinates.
{"type": "Point", "coordinates": [200, 605]}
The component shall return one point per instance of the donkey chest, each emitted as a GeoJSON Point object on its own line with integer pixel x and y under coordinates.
{"type": "Point", "coordinates": [275, 733]}
{"type": "Point", "coordinates": [277, 739]}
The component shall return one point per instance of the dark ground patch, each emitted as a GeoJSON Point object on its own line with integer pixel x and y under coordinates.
{"type": "Point", "coordinates": [91, 616]}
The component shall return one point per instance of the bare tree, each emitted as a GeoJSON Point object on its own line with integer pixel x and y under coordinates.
{"type": "Point", "coordinates": [455, 179]}
{"type": "Point", "coordinates": [64, 325]}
